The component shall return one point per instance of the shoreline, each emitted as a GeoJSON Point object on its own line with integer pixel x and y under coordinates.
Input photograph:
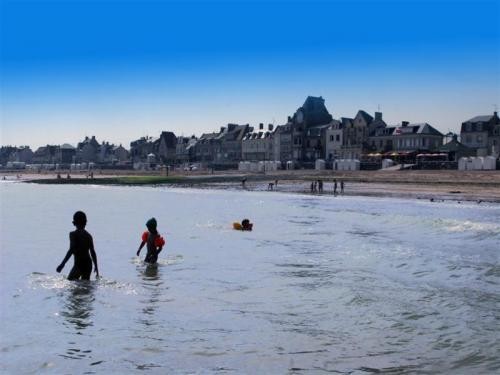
{"type": "Point", "coordinates": [479, 186]}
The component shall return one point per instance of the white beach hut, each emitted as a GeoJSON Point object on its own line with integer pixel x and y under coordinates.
{"type": "Point", "coordinates": [462, 164]}
{"type": "Point", "coordinates": [490, 163]}
{"type": "Point", "coordinates": [319, 164]}
{"type": "Point", "coordinates": [470, 164]}
{"type": "Point", "coordinates": [386, 163]}
{"type": "Point", "coordinates": [477, 163]}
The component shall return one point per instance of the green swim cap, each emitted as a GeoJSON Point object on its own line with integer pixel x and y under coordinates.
{"type": "Point", "coordinates": [151, 223]}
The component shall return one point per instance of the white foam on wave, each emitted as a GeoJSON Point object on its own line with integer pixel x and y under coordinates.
{"type": "Point", "coordinates": [211, 225]}
{"type": "Point", "coordinates": [457, 226]}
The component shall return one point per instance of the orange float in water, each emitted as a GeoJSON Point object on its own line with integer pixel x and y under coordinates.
{"type": "Point", "coordinates": [243, 226]}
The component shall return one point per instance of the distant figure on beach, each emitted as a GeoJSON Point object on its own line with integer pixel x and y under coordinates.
{"type": "Point", "coordinates": [341, 186]}
{"type": "Point", "coordinates": [243, 182]}
{"type": "Point", "coordinates": [58, 176]}
{"type": "Point", "coordinates": [270, 186]}
{"type": "Point", "coordinates": [335, 186]}
{"type": "Point", "coordinates": [320, 186]}
{"type": "Point", "coordinates": [154, 242]}
{"type": "Point", "coordinates": [312, 187]}
{"type": "Point", "coordinates": [68, 176]}
{"type": "Point", "coordinates": [275, 183]}
{"type": "Point", "coordinates": [81, 246]}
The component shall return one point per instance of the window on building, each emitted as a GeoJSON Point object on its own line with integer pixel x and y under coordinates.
{"type": "Point", "coordinates": [337, 137]}
{"type": "Point", "coordinates": [468, 139]}
{"type": "Point", "coordinates": [331, 138]}
{"type": "Point", "coordinates": [468, 127]}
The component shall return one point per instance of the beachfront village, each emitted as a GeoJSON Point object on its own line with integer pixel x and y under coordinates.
{"type": "Point", "coordinates": [311, 139]}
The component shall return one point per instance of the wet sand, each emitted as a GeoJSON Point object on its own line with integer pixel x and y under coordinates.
{"type": "Point", "coordinates": [456, 185]}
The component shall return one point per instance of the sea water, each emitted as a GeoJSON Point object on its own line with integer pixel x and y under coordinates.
{"type": "Point", "coordinates": [347, 285]}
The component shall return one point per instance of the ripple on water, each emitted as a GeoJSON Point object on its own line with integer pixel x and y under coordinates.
{"type": "Point", "coordinates": [38, 280]}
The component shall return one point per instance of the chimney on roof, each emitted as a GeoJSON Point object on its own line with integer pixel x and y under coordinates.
{"type": "Point", "coordinates": [404, 124]}
{"type": "Point", "coordinates": [378, 116]}
{"type": "Point", "coordinates": [222, 129]}
{"type": "Point", "coordinates": [261, 126]}
{"type": "Point", "coordinates": [270, 127]}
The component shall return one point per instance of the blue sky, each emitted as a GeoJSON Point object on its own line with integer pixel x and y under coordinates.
{"type": "Point", "coordinates": [125, 69]}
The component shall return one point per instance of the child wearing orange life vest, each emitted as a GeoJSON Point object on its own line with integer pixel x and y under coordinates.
{"type": "Point", "coordinates": [154, 242]}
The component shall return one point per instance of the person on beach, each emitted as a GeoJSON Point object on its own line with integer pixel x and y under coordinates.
{"type": "Point", "coordinates": [341, 186]}
{"type": "Point", "coordinates": [81, 246]}
{"type": "Point", "coordinates": [154, 242]}
{"type": "Point", "coordinates": [335, 187]}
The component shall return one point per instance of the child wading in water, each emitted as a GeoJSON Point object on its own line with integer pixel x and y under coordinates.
{"type": "Point", "coordinates": [154, 242]}
{"type": "Point", "coordinates": [80, 245]}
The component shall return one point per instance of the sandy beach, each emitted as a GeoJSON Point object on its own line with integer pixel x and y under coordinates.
{"type": "Point", "coordinates": [436, 185]}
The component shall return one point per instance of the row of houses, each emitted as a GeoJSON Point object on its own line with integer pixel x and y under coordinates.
{"type": "Point", "coordinates": [87, 151]}
{"type": "Point", "coordinates": [311, 133]}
